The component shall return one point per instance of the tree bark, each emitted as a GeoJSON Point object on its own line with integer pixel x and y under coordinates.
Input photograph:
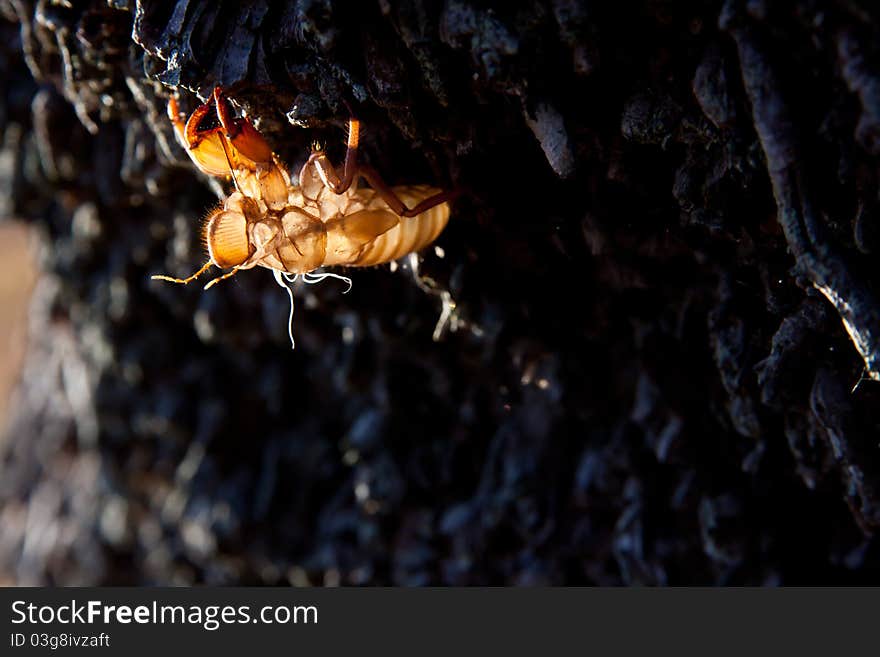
{"type": "Point", "coordinates": [659, 353]}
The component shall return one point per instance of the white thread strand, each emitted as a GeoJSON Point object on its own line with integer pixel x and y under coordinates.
{"type": "Point", "coordinates": [311, 278]}
{"type": "Point", "coordinates": [287, 280]}
{"type": "Point", "coordinates": [285, 283]}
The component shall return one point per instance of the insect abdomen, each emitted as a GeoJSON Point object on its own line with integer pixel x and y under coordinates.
{"type": "Point", "coordinates": [411, 233]}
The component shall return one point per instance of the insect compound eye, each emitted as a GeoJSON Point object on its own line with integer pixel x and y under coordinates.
{"type": "Point", "coordinates": [227, 239]}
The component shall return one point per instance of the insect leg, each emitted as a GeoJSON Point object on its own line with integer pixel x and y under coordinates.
{"type": "Point", "coordinates": [397, 206]}
{"type": "Point", "coordinates": [351, 170]}
{"type": "Point", "coordinates": [192, 135]}
{"type": "Point", "coordinates": [245, 138]}
{"type": "Point", "coordinates": [326, 170]}
{"type": "Point", "coordinates": [204, 147]}
{"type": "Point", "coordinates": [183, 281]}
{"type": "Point", "coordinates": [177, 120]}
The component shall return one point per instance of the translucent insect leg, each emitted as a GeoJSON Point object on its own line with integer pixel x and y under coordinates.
{"type": "Point", "coordinates": [183, 281]}
{"type": "Point", "coordinates": [398, 206]}
{"type": "Point", "coordinates": [351, 169]}
{"type": "Point", "coordinates": [326, 170]}
{"type": "Point", "coordinates": [246, 139]}
{"type": "Point", "coordinates": [328, 176]}
{"type": "Point", "coordinates": [178, 121]}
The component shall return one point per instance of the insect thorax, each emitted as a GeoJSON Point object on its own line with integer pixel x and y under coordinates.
{"type": "Point", "coordinates": [290, 240]}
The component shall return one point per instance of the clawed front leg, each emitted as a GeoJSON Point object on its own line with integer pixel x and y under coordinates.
{"type": "Point", "coordinates": [245, 138]}
{"type": "Point", "coordinates": [178, 120]}
{"type": "Point", "coordinates": [206, 148]}
{"type": "Point", "coordinates": [231, 147]}
{"type": "Point", "coordinates": [327, 173]}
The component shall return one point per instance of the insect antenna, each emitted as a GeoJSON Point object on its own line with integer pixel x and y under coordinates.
{"type": "Point", "coordinates": [228, 274]}
{"type": "Point", "coordinates": [183, 281]}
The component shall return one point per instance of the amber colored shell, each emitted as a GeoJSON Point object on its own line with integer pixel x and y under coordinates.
{"type": "Point", "coordinates": [227, 239]}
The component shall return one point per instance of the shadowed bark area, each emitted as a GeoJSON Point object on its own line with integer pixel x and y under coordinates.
{"type": "Point", "coordinates": [659, 291]}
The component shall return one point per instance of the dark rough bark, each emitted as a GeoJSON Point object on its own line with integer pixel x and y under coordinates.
{"type": "Point", "coordinates": [669, 208]}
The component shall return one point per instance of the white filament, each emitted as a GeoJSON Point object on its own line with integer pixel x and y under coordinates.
{"type": "Point", "coordinates": [311, 278]}
{"type": "Point", "coordinates": [286, 281]}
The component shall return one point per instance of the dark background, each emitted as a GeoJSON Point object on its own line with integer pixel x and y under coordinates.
{"type": "Point", "coordinates": [646, 384]}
